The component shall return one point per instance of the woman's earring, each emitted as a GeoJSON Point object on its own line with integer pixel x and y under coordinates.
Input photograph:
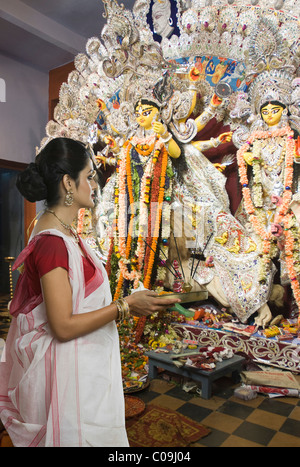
{"type": "Point", "coordinates": [69, 198]}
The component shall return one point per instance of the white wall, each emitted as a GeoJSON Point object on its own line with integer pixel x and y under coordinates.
{"type": "Point", "coordinates": [24, 114]}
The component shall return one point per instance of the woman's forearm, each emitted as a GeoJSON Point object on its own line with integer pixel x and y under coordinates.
{"type": "Point", "coordinates": [85, 323]}
{"type": "Point", "coordinates": [64, 322]}
{"type": "Point", "coordinates": [67, 324]}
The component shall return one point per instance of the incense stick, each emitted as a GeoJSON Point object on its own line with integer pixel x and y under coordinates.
{"type": "Point", "coordinates": [165, 257]}
{"type": "Point", "coordinates": [194, 256]}
{"type": "Point", "coordinates": [202, 254]}
{"type": "Point", "coordinates": [179, 257]}
{"type": "Point", "coordinates": [164, 262]}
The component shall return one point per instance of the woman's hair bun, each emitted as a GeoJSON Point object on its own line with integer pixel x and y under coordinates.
{"type": "Point", "coordinates": [41, 179]}
{"type": "Point", "coordinates": [31, 184]}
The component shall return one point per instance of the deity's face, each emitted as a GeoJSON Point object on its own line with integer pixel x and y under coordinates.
{"type": "Point", "coordinates": [145, 114]}
{"type": "Point", "coordinates": [161, 13]}
{"type": "Point", "coordinates": [271, 114]}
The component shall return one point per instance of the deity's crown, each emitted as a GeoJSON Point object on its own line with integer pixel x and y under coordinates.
{"type": "Point", "coordinates": [270, 66]}
{"type": "Point", "coordinates": [271, 86]}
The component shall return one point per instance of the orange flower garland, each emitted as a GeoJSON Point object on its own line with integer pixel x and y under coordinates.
{"type": "Point", "coordinates": [124, 249]}
{"type": "Point", "coordinates": [147, 275]}
{"type": "Point", "coordinates": [80, 220]}
{"type": "Point", "coordinates": [289, 258]}
{"type": "Point", "coordinates": [154, 174]}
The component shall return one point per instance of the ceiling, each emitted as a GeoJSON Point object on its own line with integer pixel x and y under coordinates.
{"type": "Point", "coordinates": [46, 34]}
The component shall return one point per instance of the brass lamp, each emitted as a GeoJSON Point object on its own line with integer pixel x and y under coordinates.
{"type": "Point", "coordinates": [4, 315]}
{"type": "Point", "coordinates": [10, 260]}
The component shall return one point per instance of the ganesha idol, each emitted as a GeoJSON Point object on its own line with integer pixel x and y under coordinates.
{"type": "Point", "coordinates": [170, 203]}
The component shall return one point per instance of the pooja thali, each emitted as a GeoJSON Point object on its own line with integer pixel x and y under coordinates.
{"type": "Point", "coordinates": [187, 297]}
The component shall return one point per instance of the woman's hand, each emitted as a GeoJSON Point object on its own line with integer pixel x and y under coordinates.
{"type": "Point", "coordinates": [147, 302]}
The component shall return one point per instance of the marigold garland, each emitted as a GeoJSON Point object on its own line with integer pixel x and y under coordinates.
{"type": "Point", "coordinates": [290, 251]}
{"type": "Point", "coordinates": [147, 275]}
{"type": "Point", "coordinates": [108, 262]}
{"type": "Point", "coordinates": [132, 264]}
{"type": "Point", "coordinates": [120, 227]}
{"type": "Point", "coordinates": [80, 220]}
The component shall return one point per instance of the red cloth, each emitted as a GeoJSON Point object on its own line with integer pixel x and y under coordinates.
{"type": "Point", "coordinates": [215, 155]}
{"type": "Point", "coordinates": [49, 253]}
{"type": "Point", "coordinates": [44, 253]}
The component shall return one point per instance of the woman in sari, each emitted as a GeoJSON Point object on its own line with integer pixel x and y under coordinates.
{"type": "Point", "coordinates": [60, 375]}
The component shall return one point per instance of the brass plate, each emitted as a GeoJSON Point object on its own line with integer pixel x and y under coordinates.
{"type": "Point", "coordinates": [188, 296]}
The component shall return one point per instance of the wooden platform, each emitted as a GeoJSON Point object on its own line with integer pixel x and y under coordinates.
{"type": "Point", "coordinates": [165, 361]}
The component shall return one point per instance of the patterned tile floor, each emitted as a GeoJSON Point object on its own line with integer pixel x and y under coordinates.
{"type": "Point", "coordinates": [261, 422]}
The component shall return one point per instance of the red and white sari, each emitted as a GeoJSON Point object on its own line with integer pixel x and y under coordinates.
{"type": "Point", "coordinates": [62, 394]}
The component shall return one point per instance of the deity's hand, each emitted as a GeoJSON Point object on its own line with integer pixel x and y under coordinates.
{"type": "Point", "coordinates": [248, 157]}
{"type": "Point", "coordinates": [101, 160]}
{"type": "Point", "coordinates": [209, 262]}
{"type": "Point", "coordinates": [216, 101]}
{"type": "Point", "coordinates": [101, 104]}
{"type": "Point", "coordinates": [110, 141]}
{"type": "Point", "coordinates": [276, 200]}
{"type": "Point", "coordinates": [194, 74]}
{"type": "Point", "coordinates": [276, 230]}
{"type": "Point", "coordinates": [159, 128]}
{"type": "Point", "coordinates": [220, 167]}
{"type": "Point", "coordinates": [225, 137]}
{"type": "Point", "coordinates": [167, 138]}
{"type": "Point", "coordinates": [264, 316]}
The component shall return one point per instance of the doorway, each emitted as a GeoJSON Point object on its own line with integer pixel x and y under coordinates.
{"type": "Point", "coordinates": [11, 225]}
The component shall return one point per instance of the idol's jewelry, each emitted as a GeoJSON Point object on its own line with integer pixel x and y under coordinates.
{"type": "Point", "coordinates": [65, 226]}
{"type": "Point", "coordinates": [69, 198]}
{"type": "Point", "coordinates": [206, 115]}
{"type": "Point", "coordinates": [166, 138]}
{"type": "Point", "coordinates": [123, 309]}
{"type": "Point", "coordinates": [215, 142]}
{"type": "Point", "coordinates": [165, 133]}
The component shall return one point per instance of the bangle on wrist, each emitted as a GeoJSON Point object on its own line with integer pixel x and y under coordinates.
{"type": "Point", "coordinates": [193, 87]}
{"type": "Point", "coordinates": [165, 130]}
{"type": "Point", "coordinates": [215, 142]}
{"type": "Point", "coordinates": [111, 161]}
{"type": "Point", "coordinates": [123, 309]}
{"type": "Point", "coordinates": [206, 116]}
{"type": "Point", "coordinates": [167, 138]}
